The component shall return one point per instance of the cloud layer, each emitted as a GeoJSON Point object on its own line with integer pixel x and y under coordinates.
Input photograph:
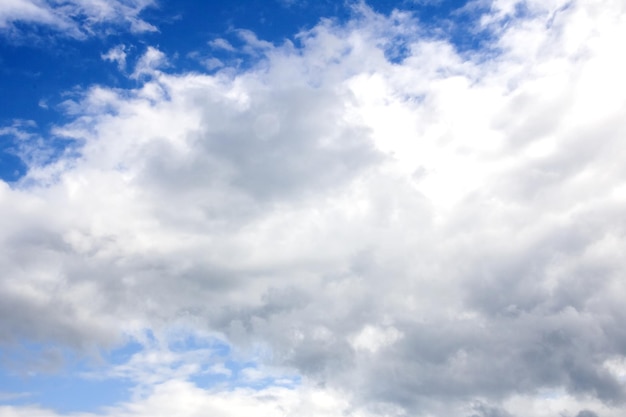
{"type": "Point", "coordinates": [410, 229]}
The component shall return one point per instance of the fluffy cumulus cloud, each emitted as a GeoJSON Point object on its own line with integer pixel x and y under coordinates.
{"type": "Point", "coordinates": [75, 18]}
{"type": "Point", "coordinates": [374, 230]}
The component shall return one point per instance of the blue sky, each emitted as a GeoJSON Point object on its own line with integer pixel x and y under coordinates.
{"type": "Point", "coordinates": [288, 207]}
{"type": "Point", "coordinates": [42, 65]}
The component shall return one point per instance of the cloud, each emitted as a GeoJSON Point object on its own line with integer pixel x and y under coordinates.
{"type": "Point", "coordinates": [6, 396]}
{"type": "Point", "coordinates": [77, 19]}
{"type": "Point", "coordinates": [117, 55]}
{"type": "Point", "coordinates": [586, 413]}
{"type": "Point", "coordinates": [221, 43]}
{"type": "Point", "coordinates": [430, 233]}
{"type": "Point", "coordinates": [182, 398]}
{"type": "Point", "coordinates": [149, 63]}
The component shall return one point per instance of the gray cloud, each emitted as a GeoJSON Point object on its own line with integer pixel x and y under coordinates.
{"type": "Point", "coordinates": [586, 413]}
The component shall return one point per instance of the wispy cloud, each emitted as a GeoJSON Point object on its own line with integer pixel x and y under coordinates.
{"type": "Point", "coordinates": [117, 55]}
{"type": "Point", "coordinates": [74, 18]}
{"type": "Point", "coordinates": [221, 43]}
{"type": "Point", "coordinates": [149, 63]}
{"type": "Point", "coordinates": [8, 396]}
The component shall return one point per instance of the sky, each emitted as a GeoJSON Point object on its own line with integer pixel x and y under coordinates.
{"type": "Point", "coordinates": [312, 208]}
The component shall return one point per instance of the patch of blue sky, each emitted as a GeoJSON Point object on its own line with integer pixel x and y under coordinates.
{"type": "Point", "coordinates": [122, 354]}
{"type": "Point", "coordinates": [41, 374]}
{"type": "Point", "coordinates": [23, 145]}
{"type": "Point", "coordinates": [34, 82]}
{"type": "Point", "coordinates": [44, 375]}
{"type": "Point", "coordinates": [38, 75]}
{"type": "Point", "coordinates": [35, 78]}
{"type": "Point", "coordinates": [457, 22]}
{"type": "Point", "coordinates": [52, 391]}
{"type": "Point", "coordinates": [12, 167]}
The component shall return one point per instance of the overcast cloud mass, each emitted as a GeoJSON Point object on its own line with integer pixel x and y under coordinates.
{"type": "Point", "coordinates": [364, 221]}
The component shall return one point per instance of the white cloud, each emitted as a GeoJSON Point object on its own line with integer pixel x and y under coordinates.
{"type": "Point", "coordinates": [372, 339]}
{"type": "Point", "coordinates": [149, 63]}
{"type": "Point", "coordinates": [117, 55]}
{"type": "Point", "coordinates": [455, 218]}
{"type": "Point", "coordinates": [74, 18]}
{"type": "Point", "coordinates": [180, 398]}
{"type": "Point", "coordinates": [221, 43]}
